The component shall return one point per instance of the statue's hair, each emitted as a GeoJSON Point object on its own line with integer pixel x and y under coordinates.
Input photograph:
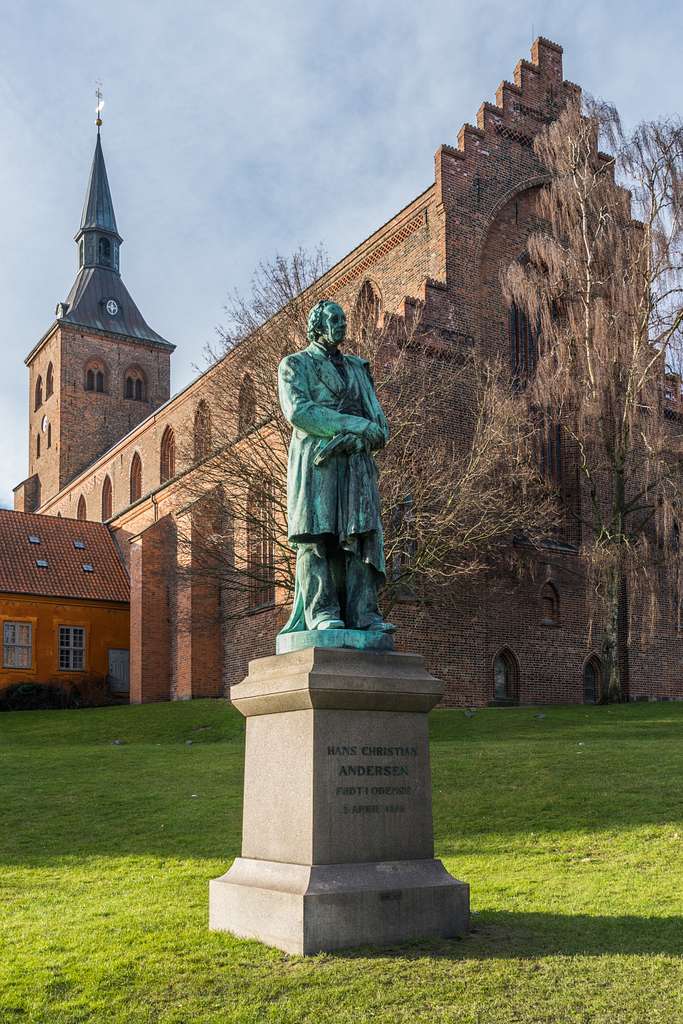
{"type": "Point", "coordinates": [314, 327]}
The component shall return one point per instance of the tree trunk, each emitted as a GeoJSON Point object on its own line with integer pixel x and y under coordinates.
{"type": "Point", "coordinates": [612, 693]}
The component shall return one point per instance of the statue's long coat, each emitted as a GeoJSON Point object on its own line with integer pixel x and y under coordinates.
{"type": "Point", "coordinates": [340, 497]}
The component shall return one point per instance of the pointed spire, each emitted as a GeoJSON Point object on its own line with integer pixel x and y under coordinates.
{"type": "Point", "coordinates": [98, 209]}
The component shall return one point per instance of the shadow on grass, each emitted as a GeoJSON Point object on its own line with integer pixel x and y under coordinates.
{"type": "Point", "coordinates": [502, 935]}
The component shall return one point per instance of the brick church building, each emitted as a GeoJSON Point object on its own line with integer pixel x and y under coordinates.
{"type": "Point", "coordinates": [103, 429]}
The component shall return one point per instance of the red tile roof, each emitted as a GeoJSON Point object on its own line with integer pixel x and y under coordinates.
{"type": "Point", "coordinates": [64, 575]}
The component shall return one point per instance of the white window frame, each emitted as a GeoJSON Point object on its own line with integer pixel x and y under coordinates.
{"type": "Point", "coordinates": [71, 648]}
{"type": "Point", "coordinates": [12, 648]}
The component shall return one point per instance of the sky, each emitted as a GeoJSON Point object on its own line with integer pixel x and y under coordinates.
{"type": "Point", "coordinates": [236, 131]}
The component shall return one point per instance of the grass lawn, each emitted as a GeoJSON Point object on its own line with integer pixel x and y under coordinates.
{"type": "Point", "coordinates": [569, 828]}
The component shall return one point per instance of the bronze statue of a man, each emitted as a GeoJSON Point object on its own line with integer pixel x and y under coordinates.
{"type": "Point", "coordinates": [332, 482]}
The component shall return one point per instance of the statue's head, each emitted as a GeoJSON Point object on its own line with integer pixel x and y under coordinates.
{"type": "Point", "coordinates": [327, 324]}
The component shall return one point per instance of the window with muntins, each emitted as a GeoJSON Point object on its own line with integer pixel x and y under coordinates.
{"type": "Point", "coordinates": [17, 641]}
{"type": "Point", "coordinates": [523, 344]}
{"type": "Point", "coordinates": [71, 648]}
{"type": "Point", "coordinates": [551, 451]}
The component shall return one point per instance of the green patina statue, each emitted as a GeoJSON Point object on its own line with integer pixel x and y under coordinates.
{"type": "Point", "coordinates": [332, 486]}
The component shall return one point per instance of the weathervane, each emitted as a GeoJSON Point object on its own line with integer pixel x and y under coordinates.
{"type": "Point", "coordinates": [98, 108]}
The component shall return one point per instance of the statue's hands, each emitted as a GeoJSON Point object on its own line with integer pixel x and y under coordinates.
{"type": "Point", "coordinates": [374, 435]}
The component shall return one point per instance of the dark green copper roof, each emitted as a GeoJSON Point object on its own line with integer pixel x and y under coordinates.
{"type": "Point", "coordinates": [95, 284]}
{"type": "Point", "coordinates": [86, 306]}
{"type": "Point", "coordinates": [98, 209]}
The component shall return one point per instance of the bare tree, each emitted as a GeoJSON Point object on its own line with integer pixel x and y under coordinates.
{"type": "Point", "coordinates": [601, 284]}
{"type": "Point", "coordinates": [459, 476]}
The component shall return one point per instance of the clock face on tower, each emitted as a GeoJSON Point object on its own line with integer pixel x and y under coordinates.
{"type": "Point", "coordinates": [112, 307]}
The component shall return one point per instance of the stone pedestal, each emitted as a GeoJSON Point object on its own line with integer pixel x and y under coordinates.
{"type": "Point", "coordinates": [337, 843]}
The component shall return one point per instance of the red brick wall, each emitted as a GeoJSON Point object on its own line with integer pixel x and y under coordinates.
{"type": "Point", "coordinates": [442, 254]}
{"type": "Point", "coordinates": [152, 568]}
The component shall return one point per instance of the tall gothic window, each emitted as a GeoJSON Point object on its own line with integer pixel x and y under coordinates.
{"type": "Point", "coordinates": [106, 499]}
{"type": "Point", "coordinates": [167, 459]}
{"type": "Point", "coordinates": [551, 451]}
{"type": "Point", "coordinates": [246, 414]}
{"type": "Point", "coordinates": [260, 547]}
{"type": "Point", "coordinates": [38, 394]}
{"type": "Point", "coordinates": [49, 381]}
{"type": "Point", "coordinates": [202, 431]}
{"type": "Point", "coordinates": [523, 344]}
{"type": "Point", "coordinates": [135, 478]}
{"type": "Point", "coordinates": [368, 308]}
{"type": "Point", "coordinates": [82, 511]}
{"type": "Point", "coordinates": [550, 602]}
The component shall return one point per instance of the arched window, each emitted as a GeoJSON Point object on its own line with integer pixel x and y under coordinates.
{"type": "Point", "coordinates": [247, 405]}
{"type": "Point", "coordinates": [368, 307]}
{"type": "Point", "coordinates": [38, 395]}
{"type": "Point", "coordinates": [135, 387]}
{"type": "Point", "coordinates": [167, 459]}
{"type": "Point", "coordinates": [49, 381]}
{"type": "Point", "coordinates": [403, 539]}
{"type": "Point", "coordinates": [95, 376]}
{"type": "Point", "coordinates": [523, 344]}
{"type": "Point", "coordinates": [37, 446]}
{"type": "Point", "coordinates": [104, 249]}
{"type": "Point", "coordinates": [551, 451]}
{"type": "Point", "coordinates": [260, 546]}
{"type": "Point", "coordinates": [82, 511]}
{"type": "Point", "coordinates": [135, 478]}
{"type": "Point", "coordinates": [592, 680]}
{"type": "Point", "coordinates": [202, 431]}
{"type": "Point", "coordinates": [81, 253]}
{"type": "Point", "coordinates": [49, 435]}
{"type": "Point", "coordinates": [106, 499]}
{"type": "Point", "coordinates": [504, 678]}
{"type": "Point", "coordinates": [550, 601]}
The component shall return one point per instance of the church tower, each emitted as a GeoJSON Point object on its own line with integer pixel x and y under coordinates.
{"type": "Point", "coordinates": [99, 369]}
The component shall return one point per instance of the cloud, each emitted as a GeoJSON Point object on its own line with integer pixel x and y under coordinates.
{"type": "Point", "coordinates": [234, 131]}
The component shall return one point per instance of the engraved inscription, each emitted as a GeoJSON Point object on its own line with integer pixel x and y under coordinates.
{"type": "Point", "coordinates": [400, 765]}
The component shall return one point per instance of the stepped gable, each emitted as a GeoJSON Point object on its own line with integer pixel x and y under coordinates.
{"type": "Point", "coordinates": [64, 575]}
{"type": "Point", "coordinates": [522, 109]}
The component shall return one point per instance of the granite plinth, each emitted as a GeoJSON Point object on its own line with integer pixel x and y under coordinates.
{"type": "Point", "coordinates": [352, 639]}
{"type": "Point", "coordinates": [308, 909]}
{"type": "Point", "coordinates": [337, 840]}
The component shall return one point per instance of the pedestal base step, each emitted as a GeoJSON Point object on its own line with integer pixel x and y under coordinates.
{"type": "Point", "coordinates": [310, 909]}
{"type": "Point", "coordinates": [356, 639]}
